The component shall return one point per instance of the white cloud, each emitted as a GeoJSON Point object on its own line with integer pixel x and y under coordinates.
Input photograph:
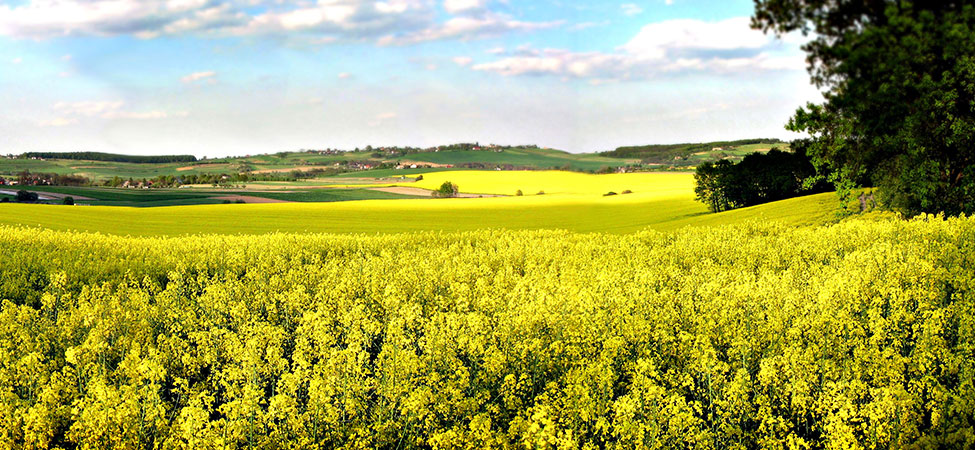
{"type": "Point", "coordinates": [88, 108]}
{"type": "Point", "coordinates": [463, 6]}
{"type": "Point", "coordinates": [495, 51]}
{"type": "Point", "coordinates": [345, 75]}
{"type": "Point", "coordinates": [382, 118]}
{"type": "Point", "coordinates": [144, 115]}
{"type": "Point", "coordinates": [58, 122]}
{"type": "Point", "coordinates": [631, 9]}
{"type": "Point", "coordinates": [659, 38]}
{"type": "Point", "coordinates": [318, 21]}
{"type": "Point", "coordinates": [462, 60]}
{"type": "Point", "coordinates": [197, 76]}
{"type": "Point", "coordinates": [673, 46]}
{"type": "Point", "coordinates": [587, 25]}
{"type": "Point", "coordinates": [69, 112]}
{"type": "Point", "coordinates": [142, 18]}
{"type": "Point", "coordinates": [17, 60]}
{"type": "Point", "coordinates": [467, 28]}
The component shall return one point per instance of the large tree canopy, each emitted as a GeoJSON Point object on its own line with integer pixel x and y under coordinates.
{"type": "Point", "coordinates": [899, 110]}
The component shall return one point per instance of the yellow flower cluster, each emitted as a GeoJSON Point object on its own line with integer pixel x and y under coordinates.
{"type": "Point", "coordinates": [852, 336]}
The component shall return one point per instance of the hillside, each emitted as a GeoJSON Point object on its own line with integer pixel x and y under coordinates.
{"type": "Point", "coordinates": [693, 154]}
{"type": "Point", "coordinates": [310, 163]}
{"type": "Point", "coordinates": [99, 167]}
{"type": "Point", "coordinates": [618, 214]}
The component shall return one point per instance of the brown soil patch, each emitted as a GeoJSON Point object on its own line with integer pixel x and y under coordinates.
{"type": "Point", "coordinates": [76, 197]}
{"type": "Point", "coordinates": [200, 166]}
{"type": "Point", "coordinates": [250, 199]}
{"type": "Point", "coordinates": [288, 169]}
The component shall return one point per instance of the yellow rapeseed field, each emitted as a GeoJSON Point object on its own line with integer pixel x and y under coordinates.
{"type": "Point", "coordinates": [848, 337]}
{"type": "Point", "coordinates": [552, 182]}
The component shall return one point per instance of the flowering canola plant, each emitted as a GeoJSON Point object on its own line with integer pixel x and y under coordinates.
{"type": "Point", "coordinates": [760, 335]}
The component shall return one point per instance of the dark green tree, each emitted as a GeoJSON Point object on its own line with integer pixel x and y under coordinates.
{"type": "Point", "coordinates": [26, 196]}
{"type": "Point", "coordinates": [710, 185]}
{"type": "Point", "coordinates": [899, 110]}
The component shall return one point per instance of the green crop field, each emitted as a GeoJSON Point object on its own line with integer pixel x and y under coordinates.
{"type": "Point", "coordinates": [100, 196]}
{"type": "Point", "coordinates": [538, 158]}
{"type": "Point", "coordinates": [288, 161]}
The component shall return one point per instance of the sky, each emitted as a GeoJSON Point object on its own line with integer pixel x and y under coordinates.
{"type": "Point", "coordinates": [234, 77]}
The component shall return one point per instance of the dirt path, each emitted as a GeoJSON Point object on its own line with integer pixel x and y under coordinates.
{"type": "Point", "coordinates": [201, 166]}
{"type": "Point", "coordinates": [250, 199]}
{"type": "Point", "coordinates": [48, 195]}
{"type": "Point", "coordinates": [289, 169]}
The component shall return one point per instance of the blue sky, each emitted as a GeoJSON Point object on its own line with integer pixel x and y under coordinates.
{"type": "Point", "coordinates": [217, 78]}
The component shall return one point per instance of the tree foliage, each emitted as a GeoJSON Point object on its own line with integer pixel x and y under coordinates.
{"type": "Point", "coordinates": [665, 153]}
{"type": "Point", "coordinates": [98, 156]}
{"type": "Point", "coordinates": [900, 96]}
{"type": "Point", "coordinates": [757, 179]}
{"type": "Point", "coordinates": [446, 190]}
{"type": "Point", "coordinates": [26, 196]}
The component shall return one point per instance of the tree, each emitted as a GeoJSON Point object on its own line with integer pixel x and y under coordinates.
{"type": "Point", "coordinates": [25, 196]}
{"type": "Point", "coordinates": [446, 190]}
{"type": "Point", "coordinates": [68, 200]}
{"type": "Point", "coordinates": [710, 185]}
{"type": "Point", "coordinates": [899, 110]}
{"type": "Point", "coordinates": [758, 178]}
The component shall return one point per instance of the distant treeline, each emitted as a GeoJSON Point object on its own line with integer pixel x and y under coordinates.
{"type": "Point", "coordinates": [27, 178]}
{"type": "Point", "coordinates": [664, 153]}
{"type": "Point", "coordinates": [758, 178]}
{"type": "Point", "coordinates": [97, 156]}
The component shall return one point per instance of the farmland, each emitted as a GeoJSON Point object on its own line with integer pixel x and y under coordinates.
{"type": "Point", "coordinates": [563, 309]}
{"type": "Point", "coordinates": [746, 336]}
{"type": "Point", "coordinates": [571, 201]}
{"type": "Point", "coordinates": [285, 162]}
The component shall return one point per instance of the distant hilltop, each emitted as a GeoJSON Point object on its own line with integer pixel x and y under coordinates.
{"type": "Point", "coordinates": [668, 153]}
{"type": "Point", "coordinates": [97, 156]}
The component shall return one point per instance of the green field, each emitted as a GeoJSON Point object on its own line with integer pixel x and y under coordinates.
{"type": "Point", "coordinates": [98, 196]}
{"type": "Point", "coordinates": [537, 158]}
{"type": "Point", "coordinates": [285, 162]}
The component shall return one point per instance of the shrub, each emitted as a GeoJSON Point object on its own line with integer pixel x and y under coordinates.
{"type": "Point", "coordinates": [610, 193]}
{"type": "Point", "coordinates": [540, 193]}
{"type": "Point", "coordinates": [68, 201]}
{"type": "Point", "coordinates": [627, 191]}
{"type": "Point", "coordinates": [518, 193]}
{"type": "Point", "coordinates": [24, 196]}
{"type": "Point", "coordinates": [446, 190]}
